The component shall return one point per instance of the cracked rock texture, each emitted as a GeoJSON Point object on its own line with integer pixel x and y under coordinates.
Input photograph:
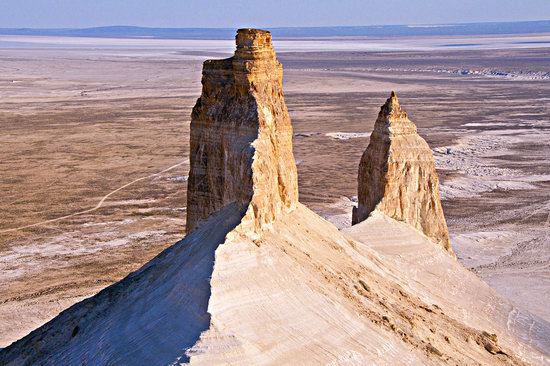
{"type": "Point", "coordinates": [397, 176]}
{"type": "Point", "coordinates": [241, 137]}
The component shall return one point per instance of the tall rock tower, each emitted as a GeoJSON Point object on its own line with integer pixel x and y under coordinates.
{"type": "Point", "coordinates": [241, 137]}
{"type": "Point", "coordinates": [397, 176]}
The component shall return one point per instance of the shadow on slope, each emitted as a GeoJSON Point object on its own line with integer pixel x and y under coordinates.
{"type": "Point", "coordinates": [151, 317]}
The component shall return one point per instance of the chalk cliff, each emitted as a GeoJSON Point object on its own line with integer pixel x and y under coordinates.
{"type": "Point", "coordinates": [397, 176]}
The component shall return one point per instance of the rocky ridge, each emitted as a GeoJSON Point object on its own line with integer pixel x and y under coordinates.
{"type": "Point", "coordinates": [397, 176]}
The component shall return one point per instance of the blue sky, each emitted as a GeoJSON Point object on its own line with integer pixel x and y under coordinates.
{"type": "Point", "coordinates": [261, 13]}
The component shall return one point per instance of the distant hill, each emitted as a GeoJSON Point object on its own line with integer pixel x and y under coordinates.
{"type": "Point", "coordinates": [293, 32]}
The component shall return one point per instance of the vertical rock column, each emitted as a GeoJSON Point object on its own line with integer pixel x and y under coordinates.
{"type": "Point", "coordinates": [397, 176]}
{"type": "Point", "coordinates": [241, 137]}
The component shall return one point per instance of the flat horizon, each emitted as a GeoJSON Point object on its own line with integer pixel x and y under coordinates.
{"type": "Point", "coordinates": [417, 30]}
{"type": "Point", "coordinates": [413, 24]}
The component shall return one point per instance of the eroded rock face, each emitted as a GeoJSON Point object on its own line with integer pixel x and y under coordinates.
{"type": "Point", "coordinates": [241, 137]}
{"type": "Point", "coordinates": [397, 176]}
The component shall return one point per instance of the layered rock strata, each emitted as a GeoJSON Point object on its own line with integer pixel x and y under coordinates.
{"type": "Point", "coordinates": [397, 176]}
{"type": "Point", "coordinates": [241, 137]}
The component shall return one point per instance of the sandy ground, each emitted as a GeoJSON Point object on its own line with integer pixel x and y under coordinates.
{"type": "Point", "coordinates": [80, 123]}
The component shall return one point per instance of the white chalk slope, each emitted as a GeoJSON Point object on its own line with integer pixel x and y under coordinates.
{"type": "Point", "coordinates": [301, 293]}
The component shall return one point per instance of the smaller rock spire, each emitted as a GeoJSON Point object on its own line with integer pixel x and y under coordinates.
{"type": "Point", "coordinates": [397, 176]}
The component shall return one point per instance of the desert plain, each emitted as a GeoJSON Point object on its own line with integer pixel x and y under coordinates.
{"type": "Point", "coordinates": [95, 146]}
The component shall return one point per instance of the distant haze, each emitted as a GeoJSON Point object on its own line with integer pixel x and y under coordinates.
{"type": "Point", "coordinates": [541, 28]}
{"type": "Point", "coordinates": [262, 13]}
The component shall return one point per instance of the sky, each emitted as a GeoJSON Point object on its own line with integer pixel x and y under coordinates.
{"type": "Point", "coordinates": [262, 13]}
